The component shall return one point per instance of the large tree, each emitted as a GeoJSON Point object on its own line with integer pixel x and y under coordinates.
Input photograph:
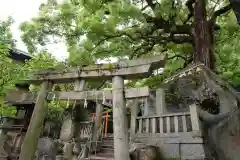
{"type": "Point", "coordinates": [100, 29]}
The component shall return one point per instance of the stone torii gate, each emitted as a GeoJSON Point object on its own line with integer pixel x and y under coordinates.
{"type": "Point", "coordinates": [117, 72]}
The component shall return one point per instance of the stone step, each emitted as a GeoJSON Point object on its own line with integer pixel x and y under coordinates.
{"type": "Point", "coordinates": [105, 145]}
{"type": "Point", "coordinates": [106, 154]}
{"type": "Point", "coordinates": [103, 156]}
{"type": "Point", "coordinates": [108, 142]}
{"type": "Point", "coordinates": [109, 136]}
{"type": "Point", "coordinates": [99, 158]}
{"type": "Point", "coordinates": [104, 149]}
{"type": "Point", "coordinates": [108, 139]}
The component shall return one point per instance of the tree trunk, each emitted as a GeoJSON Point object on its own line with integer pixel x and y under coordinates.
{"type": "Point", "coordinates": [202, 36]}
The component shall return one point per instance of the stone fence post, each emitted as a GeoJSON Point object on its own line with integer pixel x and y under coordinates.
{"type": "Point", "coordinates": [196, 126]}
{"type": "Point", "coordinates": [134, 111]}
{"type": "Point", "coordinates": [160, 101]}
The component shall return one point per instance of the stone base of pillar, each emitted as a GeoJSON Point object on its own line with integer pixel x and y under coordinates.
{"type": "Point", "coordinates": [68, 150]}
{"type": "Point", "coordinates": [59, 157]}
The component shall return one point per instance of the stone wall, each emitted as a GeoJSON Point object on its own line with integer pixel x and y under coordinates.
{"type": "Point", "coordinates": [171, 108]}
{"type": "Point", "coordinates": [180, 145]}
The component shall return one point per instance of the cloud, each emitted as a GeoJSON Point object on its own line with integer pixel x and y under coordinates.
{"type": "Point", "coordinates": [24, 10]}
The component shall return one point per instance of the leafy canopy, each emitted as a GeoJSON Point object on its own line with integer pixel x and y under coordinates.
{"type": "Point", "coordinates": [10, 71]}
{"type": "Point", "coordinates": [101, 29]}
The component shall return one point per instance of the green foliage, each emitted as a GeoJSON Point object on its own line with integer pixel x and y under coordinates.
{"type": "Point", "coordinates": [55, 111]}
{"type": "Point", "coordinates": [42, 60]}
{"type": "Point", "coordinates": [5, 33]}
{"type": "Point", "coordinates": [10, 71]}
{"type": "Point", "coordinates": [100, 29]}
{"type": "Point", "coordinates": [92, 29]}
{"type": "Point", "coordinates": [7, 111]}
{"type": "Point", "coordinates": [227, 49]}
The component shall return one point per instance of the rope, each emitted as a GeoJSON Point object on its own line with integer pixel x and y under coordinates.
{"type": "Point", "coordinates": [104, 98]}
{"type": "Point", "coordinates": [96, 98]}
{"type": "Point", "coordinates": [146, 107]}
{"type": "Point", "coordinates": [68, 103]}
{"type": "Point", "coordinates": [73, 109]}
{"type": "Point", "coordinates": [85, 101]}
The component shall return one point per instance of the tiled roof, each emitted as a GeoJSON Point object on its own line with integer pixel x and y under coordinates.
{"type": "Point", "coordinates": [19, 55]}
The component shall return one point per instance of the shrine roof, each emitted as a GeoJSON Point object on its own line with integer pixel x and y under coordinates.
{"type": "Point", "coordinates": [19, 55]}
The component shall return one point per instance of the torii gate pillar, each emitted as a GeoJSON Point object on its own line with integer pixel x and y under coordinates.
{"type": "Point", "coordinates": [119, 120]}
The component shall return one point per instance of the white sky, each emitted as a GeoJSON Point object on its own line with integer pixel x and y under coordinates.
{"type": "Point", "coordinates": [24, 10]}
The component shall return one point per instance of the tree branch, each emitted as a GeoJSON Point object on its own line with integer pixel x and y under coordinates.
{"type": "Point", "coordinates": [182, 39]}
{"type": "Point", "coordinates": [146, 47]}
{"type": "Point", "coordinates": [178, 39]}
{"type": "Point", "coordinates": [151, 4]}
{"type": "Point", "coordinates": [188, 61]}
{"type": "Point", "coordinates": [214, 7]}
{"type": "Point", "coordinates": [220, 12]}
{"type": "Point", "coordinates": [108, 37]}
{"type": "Point", "coordinates": [189, 5]}
{"type": "Point", "coordinates": [167, 26]}
{"type": "Point", "coordinates": [145, 7]}
{"type": "Point", "coordinates": [151, 41]}
{"type": "Point", "coordinates": [177, 56]}
{"type": "Point", "coordinates": [211, 119]}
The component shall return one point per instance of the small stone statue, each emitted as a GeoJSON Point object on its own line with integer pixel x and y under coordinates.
{"type": "Point", "coordinates": [46, 149]}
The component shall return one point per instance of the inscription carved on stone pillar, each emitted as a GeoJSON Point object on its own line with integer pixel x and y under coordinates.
{"type": "Point", "coordinates": [67, 131]}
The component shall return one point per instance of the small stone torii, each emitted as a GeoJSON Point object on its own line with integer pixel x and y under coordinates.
{"type": "Point", "coordinates": [117, 72]}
